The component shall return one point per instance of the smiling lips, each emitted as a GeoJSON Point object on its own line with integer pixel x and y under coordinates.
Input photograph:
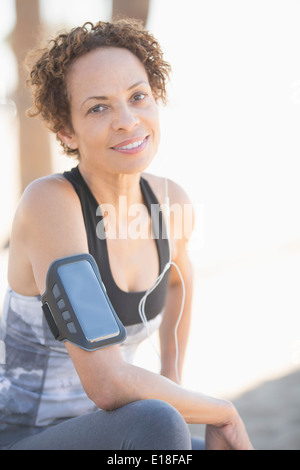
{"type": "Point", "coordinates": [131, 146]}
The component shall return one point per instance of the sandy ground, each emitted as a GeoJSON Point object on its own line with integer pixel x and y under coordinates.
{"type": "Point", "coordinates": [271, 413]}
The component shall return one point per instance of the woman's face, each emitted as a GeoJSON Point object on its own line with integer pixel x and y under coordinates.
{"type": "Point", "coordinates": [114, 114]}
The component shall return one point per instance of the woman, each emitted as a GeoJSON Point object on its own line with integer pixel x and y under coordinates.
{"type": "Point", "coordinates": [97, 87]}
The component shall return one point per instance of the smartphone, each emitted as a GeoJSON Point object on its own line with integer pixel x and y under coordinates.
{"type": "Point", "coordinates": [89, 300]}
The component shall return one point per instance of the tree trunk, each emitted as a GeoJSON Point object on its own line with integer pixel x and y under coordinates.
{"type": "Point", "coordinates": [35, 153]}
{"type": "Point", "coordinates": [137, 9]}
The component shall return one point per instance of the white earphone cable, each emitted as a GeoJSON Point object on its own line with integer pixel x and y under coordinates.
{"type": "Point", "coordinates": [156, 283]}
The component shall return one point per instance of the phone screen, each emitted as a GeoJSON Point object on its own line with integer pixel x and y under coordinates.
{"type": "Point", "coordinates": [88, 301]}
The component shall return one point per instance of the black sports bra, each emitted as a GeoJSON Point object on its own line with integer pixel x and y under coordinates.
{"type": "Point", "coordinates": [125, 303]}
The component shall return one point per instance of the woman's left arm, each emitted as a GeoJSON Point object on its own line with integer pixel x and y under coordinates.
{"type": "Point", "coordinates": [180, 232]}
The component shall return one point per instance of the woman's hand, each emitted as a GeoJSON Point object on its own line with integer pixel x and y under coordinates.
{"type": "Point", "coordinates": [229, 436]}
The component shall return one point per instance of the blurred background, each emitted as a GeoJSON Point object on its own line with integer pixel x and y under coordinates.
{"type": "Point", "coordinates": [230, 137]}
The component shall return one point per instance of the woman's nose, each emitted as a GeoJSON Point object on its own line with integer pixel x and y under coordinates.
{"type": "Point", "coordinates": [125, 119]}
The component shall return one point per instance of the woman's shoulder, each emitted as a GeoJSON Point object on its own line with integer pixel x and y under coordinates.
{"type": "Point", "coordinates": [50, 184]}
{"type": "Point", "coordinates": [48, 224]}
{"type": "Point", "coordinates": [160, 185]}
{"type": "Point", "coordinates": [47, 190]}
{"type": "Point", "coordinates": [180, 205]}
{"type": "Point", "coordinates": [45, 198]}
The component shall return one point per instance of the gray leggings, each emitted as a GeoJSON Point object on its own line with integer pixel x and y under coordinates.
{"type": "Point", "coordinates": [141, 425]}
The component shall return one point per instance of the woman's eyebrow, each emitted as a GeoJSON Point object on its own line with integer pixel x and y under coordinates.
{"type": "Point", "coordinates": [105, 98]}
{"type": "Point", "coordinates": [98, 98]}
{"type": "Point", "coordinates": [144, 82]}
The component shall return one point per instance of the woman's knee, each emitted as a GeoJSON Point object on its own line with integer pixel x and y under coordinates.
{"type": "Point", "coordinates": [159, 425]}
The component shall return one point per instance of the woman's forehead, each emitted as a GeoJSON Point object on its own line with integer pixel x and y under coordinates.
{"type": "Point", "coordinates": [106, 67]}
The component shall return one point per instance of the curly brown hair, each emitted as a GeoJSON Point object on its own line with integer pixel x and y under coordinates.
{"type": "Point", "coordinates": [48, 66]}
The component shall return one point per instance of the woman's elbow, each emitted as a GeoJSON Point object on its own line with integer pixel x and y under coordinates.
{"type": "Point", "coordinates": [106, 404]}
{"type": "Point", "coordinates": [110, 394]}
{"type": "Point", "coordinates": [102, 375]}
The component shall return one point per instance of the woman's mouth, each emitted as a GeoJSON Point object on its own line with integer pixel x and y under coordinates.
{"type": "Point", "coordinates": [131, 146]}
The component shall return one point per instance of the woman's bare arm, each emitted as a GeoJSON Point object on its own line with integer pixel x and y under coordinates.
{"type": "Point", "coordinates": [111, 383]}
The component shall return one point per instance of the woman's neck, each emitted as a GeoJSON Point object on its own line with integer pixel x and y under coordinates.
{"type": "Point", "coordinates": [108, 187]}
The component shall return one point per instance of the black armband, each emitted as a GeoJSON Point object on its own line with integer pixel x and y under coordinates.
{"type": "Point", "coordinates": [77, 307]}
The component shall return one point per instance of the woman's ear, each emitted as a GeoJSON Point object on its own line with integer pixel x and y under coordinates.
{"type": "Point", "coordinates": [68, 138]}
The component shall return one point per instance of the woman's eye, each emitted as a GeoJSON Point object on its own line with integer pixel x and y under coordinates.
{"type": "Point", "coordinates": [96, 109]}
{"type": "Point", "coordinates": [139, 96]}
